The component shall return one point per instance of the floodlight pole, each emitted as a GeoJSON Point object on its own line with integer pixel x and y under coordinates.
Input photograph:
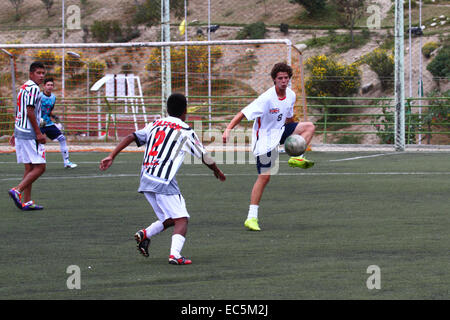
{"type": "Point", "coordinates": [13, 79]}
{"type": "Point", "coordinates": [399, 119]}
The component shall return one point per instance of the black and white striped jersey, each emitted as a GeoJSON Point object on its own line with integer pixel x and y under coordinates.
{"type": "Point", "coordinates": [167, 140]}
{"type": "Point", "coordinates": [29, 95]}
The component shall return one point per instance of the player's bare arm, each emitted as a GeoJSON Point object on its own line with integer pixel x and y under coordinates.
{"type": "Point", "coordinates": [39, 136]}
{"type": "Point", "coordinates": [107, 162]}
{"type": "Point", "coordinates": [209, 162]}
{"type": "Point", "coordinates": [233, 123]}
{"type": "Point", "coordinates": [12, 141]}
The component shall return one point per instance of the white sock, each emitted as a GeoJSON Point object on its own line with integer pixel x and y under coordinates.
{"type": "Point", "coordinates": [177, 245]}
{"type": "Point", "coordinates": [253, 211]}
{"type": "Point", "coordinates": [64, 149]}
{"type": "Point", "coordinates": [155, 228]}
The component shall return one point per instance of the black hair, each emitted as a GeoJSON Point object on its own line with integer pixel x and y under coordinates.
{"type": "Point", "coordinates": [36, 65]}
{"type": "Point", "coordinates": [281, 67]}
{"type": "Point", "coordinates": [176, 105]}
{"type": "Point", "coordinates": [49, 79]}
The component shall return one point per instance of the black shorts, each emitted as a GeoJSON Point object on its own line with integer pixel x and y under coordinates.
{"type": "Point", "coordinates": [52, 132]}
{"type": "Point", "coordinates": [288, 130]}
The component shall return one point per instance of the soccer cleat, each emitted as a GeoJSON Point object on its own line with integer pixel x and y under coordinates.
{"type": "Point", "coordinates": [70, 165]}
{"type": "Point", "coordinates": [16, 196]}
{"type": "Point", "coordinates": [252, 224]}
{"type": "Point", "coordinates": [142, 242]}
{"type": "Point", "coordinates": [30, 205]}
{"type": "Point", "coordinates": [178, 261]}
{"type": "Point", "coordinates": [300, 162]}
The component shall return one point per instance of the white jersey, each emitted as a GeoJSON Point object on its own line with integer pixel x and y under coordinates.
{"type": "Point", "coordinates": [167, 140]}
{"type": "Point", "coordinates": [29, 95]}
{"type": "Point", "coordinates": [270, 114]}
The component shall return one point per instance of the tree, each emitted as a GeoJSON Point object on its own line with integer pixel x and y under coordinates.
{"type": "Point", "coordinates": [350, 11]}
{"type": "Point", "coordinates": [16, 4]}
{"type": "Point", "coordinates": [312, 6]}
{"type": "Point", "coordinates": [48, 5]}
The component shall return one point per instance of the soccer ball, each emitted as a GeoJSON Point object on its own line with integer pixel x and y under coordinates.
{"type": "Point", "coordinates": [295, 145]}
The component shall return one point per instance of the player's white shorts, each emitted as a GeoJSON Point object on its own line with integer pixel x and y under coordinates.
{"type": "Point", "coordinates": [167, 206]}
{"type": "Point", "coordinates": [29, 151]}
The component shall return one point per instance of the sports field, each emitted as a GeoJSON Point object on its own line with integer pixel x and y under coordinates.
{"type": "Point", "coordinates": [321, 229]}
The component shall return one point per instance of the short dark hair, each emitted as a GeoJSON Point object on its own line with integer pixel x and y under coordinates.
{"type": "Point", "coordinates": [176, 105]}
{"type": "Point", "coordinates": [49, 79]}
{"type": "Point", "coordinates": [281, 67]}
{"type": "Point", "coordinates": [36, 65]}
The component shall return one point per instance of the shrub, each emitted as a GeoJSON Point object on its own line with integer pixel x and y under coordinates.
{"type": "Point", "coordinates": [6, 120]}
{"type": "Point", "coordinates": [71, 64]}
{"type": "Point", "coordinates": [382, 63]}
{"type": "Point", "coordinates": [47, 57]}
{"type": "Point", "coordinates": [197, 57]}
{"type": "Point", "coordinates": [100, 31]}
{"type": "Point", "coordinates": [96, 70]}
{"type": "Point", "coordinates": [312, 6]}
{"type": "Point", "coordinates": [350, 139]}
{"type": "Point", "coordinates": [428, 48]}
{"type": "Point", "coordinates": [252, 31]}
{"type": "Point", "coordinates": [329, 78]}
{"type": "Point", "coordinates": [284, 28]}
{"type": "Point", "coordinates": [149, 11]}
{"type": "Point", "coordinates": [413, 4]}
{"type": "Point", "coordinates": [110, 30]}
{"type": "Point", "coordinates": [385, 130]}
{"type": "Point", "coordinates": [127, 68]}
{"type": "Point", "coordinates": [440, 66]}
{"type": "Point", "coordinates": [437, 112]}
{"type": "Point", "coordinates": [15, 52]}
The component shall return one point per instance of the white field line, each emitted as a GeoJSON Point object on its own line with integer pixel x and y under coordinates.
{"type": "Point", "coordinates": [361, 157]}
{"type": "Point", "coordinates": [239, 174]}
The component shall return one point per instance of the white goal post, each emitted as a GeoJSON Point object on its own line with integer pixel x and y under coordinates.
{"type": "Point", "coordinates": [244, 63]}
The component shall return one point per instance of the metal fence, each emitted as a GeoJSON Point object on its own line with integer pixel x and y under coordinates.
{"type": "Point", "coordinates": [119, 85]}
{"type": "Point", "coordinates": [343, 120]}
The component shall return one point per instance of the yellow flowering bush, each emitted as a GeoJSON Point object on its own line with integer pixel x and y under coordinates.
{"type": "Point", "coordinates": [381, 61]}
{"type": "Point", "coordinates": [329, 78]}
{"type": "Point", "coordinates": [197, 60]}
{"type": "Point", "coordinates": [47, 57]}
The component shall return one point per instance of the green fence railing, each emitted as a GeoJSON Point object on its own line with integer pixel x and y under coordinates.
{"type": "Point", "coordinates": [337, 119]}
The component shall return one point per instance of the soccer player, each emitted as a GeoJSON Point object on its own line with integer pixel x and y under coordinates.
{"type": "Point", "coordinates": [28, 139]}
{"type": "Point", "coordinates": [273, 112]}
{"type": "Point", "coordinates": [167, 140]}
{"type": "Point", "coordinates": [50, 129]}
